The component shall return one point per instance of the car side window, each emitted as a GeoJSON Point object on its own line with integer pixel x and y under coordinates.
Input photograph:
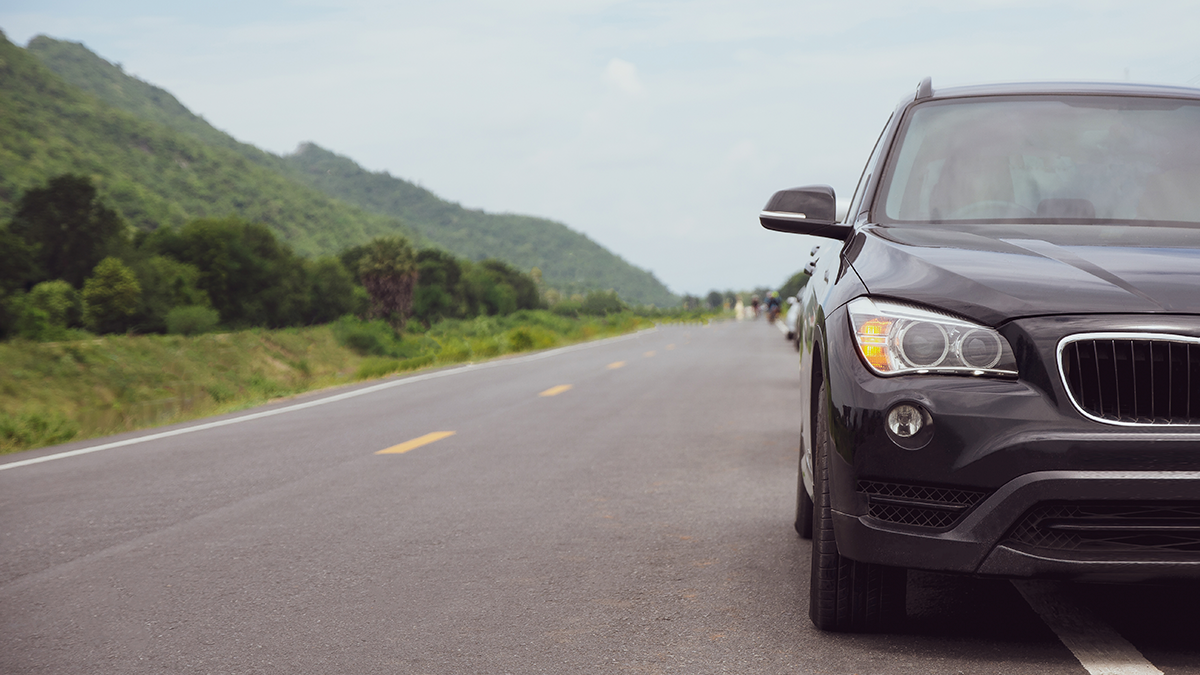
{"type": "Point", "coordinates": [868, 171]}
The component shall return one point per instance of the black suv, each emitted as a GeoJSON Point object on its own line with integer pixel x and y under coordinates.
{"type": "Point", "coordinates": [1000, 360]}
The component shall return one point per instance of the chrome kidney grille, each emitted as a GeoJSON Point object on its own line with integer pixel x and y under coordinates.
{"type": "Point", "coordinates": [1133, 379]}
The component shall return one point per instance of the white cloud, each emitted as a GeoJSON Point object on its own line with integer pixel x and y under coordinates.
{"type": "Point", "coordinates": [624, 76]}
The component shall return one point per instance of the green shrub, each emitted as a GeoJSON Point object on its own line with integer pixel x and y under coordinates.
{"type": "Point", "coordinates": [417, 362]}
{"type": "Point", "coordinates": [378, 338]}
{"type": "Point", "coordinates": [601, 303]}
{"type": "Point", "coordinates": [374, 366]}
{"type": "Point", "coordinates": [568, 308]}
{"type": "Point", "coordinates": [543, 338]}
{"type": "Point", "coordinates": [365, 342]}
{"type": "Point", "coordinates": [44, 312]}
{"type": "Point", "coordinates": [485, 346]}
{"type": "Point", "coordinates": [455, 351]}
{"type": "Point", "coordinates": [368, 338]}
{"type": "Point", "coordinates": [33, 429]}
{"type": "Point", "coordinates": [192, 320]}
{"type": "Point", "coordinates": [34, 323]}
{"type": "Point", "coordinates": [520, 340]}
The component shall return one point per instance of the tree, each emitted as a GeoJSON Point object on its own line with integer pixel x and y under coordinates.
{"type": "Point", "coordinates": [331, 291]}
{"type": "Point", "coordinates": [495, 287]}
{"type": "Point", "coordinates": [388, 270]}
{"type": "Point", "coordinates": [110, 297]}
{"type": "Point", "coordinates": [251, 278]}
{"type": "Point", "coordinates": [45, 312]}
{"type": "Point", "coordinates": [602, 303]}
{"type": "Point", "coordinates": [351, 257]}
{"type": "Point", "coordinates": [439, 293]}
{"type": "Point", "coordinates": [794, 284]}
{"type": "Point", "coordinates": [715, 299]}
{"type": "Point", "coordinates": [68, 227]}
{"type": "Point", "coordinates": [17, 267]}
{"type": "Point", "coordinates": [524, 286]}
{"type": "Point", "coordinates": [18, 264]}
{"type": "Point", "coordinates": [166, 284]}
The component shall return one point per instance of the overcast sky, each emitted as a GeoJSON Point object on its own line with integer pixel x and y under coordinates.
{"type": "Point", "coordinates": [658, 128]}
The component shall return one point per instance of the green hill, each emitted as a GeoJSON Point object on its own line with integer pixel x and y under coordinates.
{"type": "Point", "coordinates": [568, 260]}
{"type": "Point", "coordinates": [152, 174]}
{"type": "Point", "coordinates": [370, 202]}
{"type": "Point", "coordinates": [81, 67]}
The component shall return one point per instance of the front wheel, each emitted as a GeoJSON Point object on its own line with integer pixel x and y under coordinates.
{"type": "Point", "coordinates": [804, 504]}
{"type": "Point", "coordinates": [845, 595]}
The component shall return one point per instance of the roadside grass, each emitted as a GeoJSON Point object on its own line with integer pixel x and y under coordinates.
{"type": "Point", "coordinates": [54, 392]}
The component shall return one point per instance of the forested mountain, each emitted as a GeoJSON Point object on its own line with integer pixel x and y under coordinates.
{"type": "Point", "coordinates": [569, 260]}
{"type": "Point", "coordinates": [169, 165]}
{"type": "Point", "coordinates": [152, 174]}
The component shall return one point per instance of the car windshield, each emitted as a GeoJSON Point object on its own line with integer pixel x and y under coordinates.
{"type": "Point", "coordinates": [1047, 159]}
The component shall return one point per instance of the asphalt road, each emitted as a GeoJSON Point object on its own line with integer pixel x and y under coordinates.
{"type": "Point", "coordinates": [623, 506]}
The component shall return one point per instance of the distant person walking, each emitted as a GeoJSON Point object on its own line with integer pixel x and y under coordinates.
{"type": "Point", "coordinates": [754, 305]}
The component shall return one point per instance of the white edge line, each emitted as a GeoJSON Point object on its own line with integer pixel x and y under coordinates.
{"type": "Point", "coordinates": [1097, 646]}
{"type": "Point", "coordinates": [330, 399]}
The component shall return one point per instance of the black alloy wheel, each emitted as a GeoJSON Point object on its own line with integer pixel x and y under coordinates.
{"type": "Point", "coordinates": [845, 595]}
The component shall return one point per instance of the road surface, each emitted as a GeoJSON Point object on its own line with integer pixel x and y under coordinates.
{"type": "Point", "coordinates": [619, 506]}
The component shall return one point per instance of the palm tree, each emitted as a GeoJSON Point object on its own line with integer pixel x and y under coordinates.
{"type": "Point", "coordinates": [388, 270]}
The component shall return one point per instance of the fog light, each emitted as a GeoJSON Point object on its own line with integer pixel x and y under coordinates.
{"type": "Point", "coordinates": [905, 421]}
{"type": "Point", "coordinates": [910, 426]}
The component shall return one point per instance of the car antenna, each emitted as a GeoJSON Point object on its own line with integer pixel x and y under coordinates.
{"type": "Point", "coordinates": [925, 89]}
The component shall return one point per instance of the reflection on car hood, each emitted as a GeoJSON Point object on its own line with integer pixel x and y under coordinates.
{"type": "Point", "coordinates": [995, 273]}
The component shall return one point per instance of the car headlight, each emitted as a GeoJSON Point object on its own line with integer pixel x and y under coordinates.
{"type": "Point", "coordinates": [896, 339]}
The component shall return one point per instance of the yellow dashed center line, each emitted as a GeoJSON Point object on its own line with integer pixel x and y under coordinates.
{"type": "Point", "coordinates": [415, 443]}
{"type": "Point", "coordinates": [648, 354]}
{"type": "Point", "coordinates": [670, 347]}
{"type": "Point", "coordinates": [555, 391]}
{"type": "Point", "coordinates": [615, 364]}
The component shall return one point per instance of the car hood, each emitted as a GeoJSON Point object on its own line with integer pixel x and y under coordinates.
{"type": "Point", "coordinates": [995, 273]}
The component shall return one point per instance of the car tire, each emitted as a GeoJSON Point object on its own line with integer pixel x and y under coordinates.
{"type": "Point", "coordinates": [845, 595]}
{"type": "Point", "coordinates": [804, 504]}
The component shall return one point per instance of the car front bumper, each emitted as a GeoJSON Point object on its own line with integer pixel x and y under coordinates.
{"type": "Point", "coordinates": [987, 540]}
{"type": "Point", "coordinates": [1014, 482]}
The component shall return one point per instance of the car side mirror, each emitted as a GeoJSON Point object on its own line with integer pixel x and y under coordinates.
{"type": "Point", "coordinates": [804, 210]}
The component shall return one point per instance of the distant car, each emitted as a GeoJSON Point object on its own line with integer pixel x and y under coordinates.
{"type": "Point", "coordinates": [1000, 349]}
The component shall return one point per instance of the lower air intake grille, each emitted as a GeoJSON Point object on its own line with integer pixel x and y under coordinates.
{"type": "Point", "coordinates": [918, 505]}
{"type": "Point", "coordinates": [1112, 527]}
